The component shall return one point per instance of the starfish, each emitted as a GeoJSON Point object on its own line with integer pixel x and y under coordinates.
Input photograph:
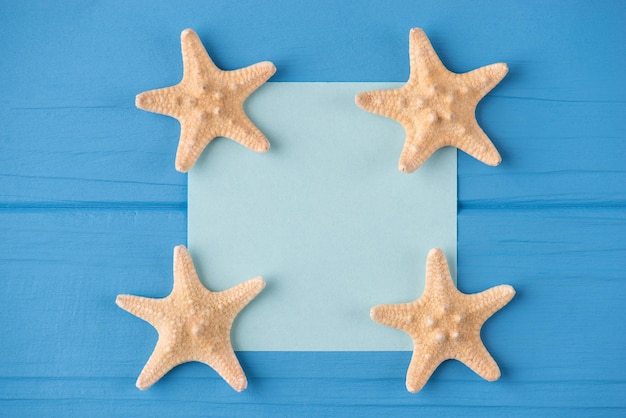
{"type": "Point", "coordinates": [436, 106]}
{"type": "Point", "coordinates": [208, 102]}
{"type": "Point", "coordinates": [193, 324]}
{"type": "Point", "coordinates": [445, 324]}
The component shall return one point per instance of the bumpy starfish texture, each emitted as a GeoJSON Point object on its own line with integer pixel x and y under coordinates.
{"type": "Point", "coordinates": [436, 107]}
{"type": "Point", "coordinates": [193, 324]}
{"type": "Point", "coordinates": [208, 102]}
{"type": "Point", "coordinates": [445, 324]}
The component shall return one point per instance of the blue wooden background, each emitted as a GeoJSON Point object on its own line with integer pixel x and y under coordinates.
{"type": "Point", "coordinates": [90, 205]}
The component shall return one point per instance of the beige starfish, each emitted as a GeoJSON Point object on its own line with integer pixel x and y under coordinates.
{"type": "Point", "coordinates": [445, 324]}
{"type": "Point", "coordinates": [208, 102]}
{"type": "Point", "coordinates": [193, 324]}
{"type": "Point", "coordinates": [436, 107]}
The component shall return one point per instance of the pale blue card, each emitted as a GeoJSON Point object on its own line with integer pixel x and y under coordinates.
{"type": "Point", "coordinates": [324, 216]}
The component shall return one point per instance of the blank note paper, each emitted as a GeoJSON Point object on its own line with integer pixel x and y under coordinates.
{"type": "Point", "coordinates": [324, 216]}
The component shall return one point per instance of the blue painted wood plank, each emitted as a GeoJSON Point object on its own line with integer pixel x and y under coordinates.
{"type": "Point", "coordinates": [156, 407]}
{"type": "Point", "coordinates": [568, 268]}
{"type": "Point", "coordinates": [72, 350]}
{"type": "Point", "coordinates": [137, 43]}
{"type": "Point", "coordinates": [71, 135]}
{"type": "Point", "coordinates": [309, 397]}
{"type": "Point", "coordinates": [77, 156]}
{"type": "Point", "coordinates": [61, 271]}
{"type": "Point", "coordinates": [554, 153]}
{"type": "Point", "coordinates": [111, 156]}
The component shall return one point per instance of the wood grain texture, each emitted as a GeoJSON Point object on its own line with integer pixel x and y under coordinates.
{"type": "Point", "coordinates": [554, 342]}
{"type": "Point", "coordinates": [90, 205]}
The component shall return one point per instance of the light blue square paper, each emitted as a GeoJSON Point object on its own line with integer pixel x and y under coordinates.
{"type": "Point", "coordinates": [324, 216]}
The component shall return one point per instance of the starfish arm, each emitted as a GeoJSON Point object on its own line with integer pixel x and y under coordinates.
{"type": "Point", "coordinates": [382, 102]}
{"type": "Point", "coordinates": [160, 101]}
{"type": "Point", "coordinates": [196, 61]}
{"type": "Point", "coordinates": [416, 150]}
{"type": "Point", "coordinates": [423, 58]}
{"type": "Point", "coordinates": [490, 301]}
{"type": "Point", "coordinates": [159, 363]}
{"type": "Point", "coordinates": [397, 315]}
{"type": "Point", "coordinates": [477, 144]}
{"type": "Point", "coordinates": [185, 277]}
{"type": "Point", "coordinates": [480, 361]}
{"type": "Point", "coordinates": [250, 78]}
{"type": "Point", "coordinates": [482, 80]}
{"type": "Point", "coordinates": [237, 297]}
{"type": "Point", "coordinates": [423, 364]}
{"type": "Point", "coordinates": [247, 134]}
{"type": "Point", "coordinates": [225, 363]}
{"type": "Point", "coordinates": [144, 308]}
{"type": "Point", "coordinates": [438, 278]}
{"type": "Point", "coordinates": [190, 145]}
